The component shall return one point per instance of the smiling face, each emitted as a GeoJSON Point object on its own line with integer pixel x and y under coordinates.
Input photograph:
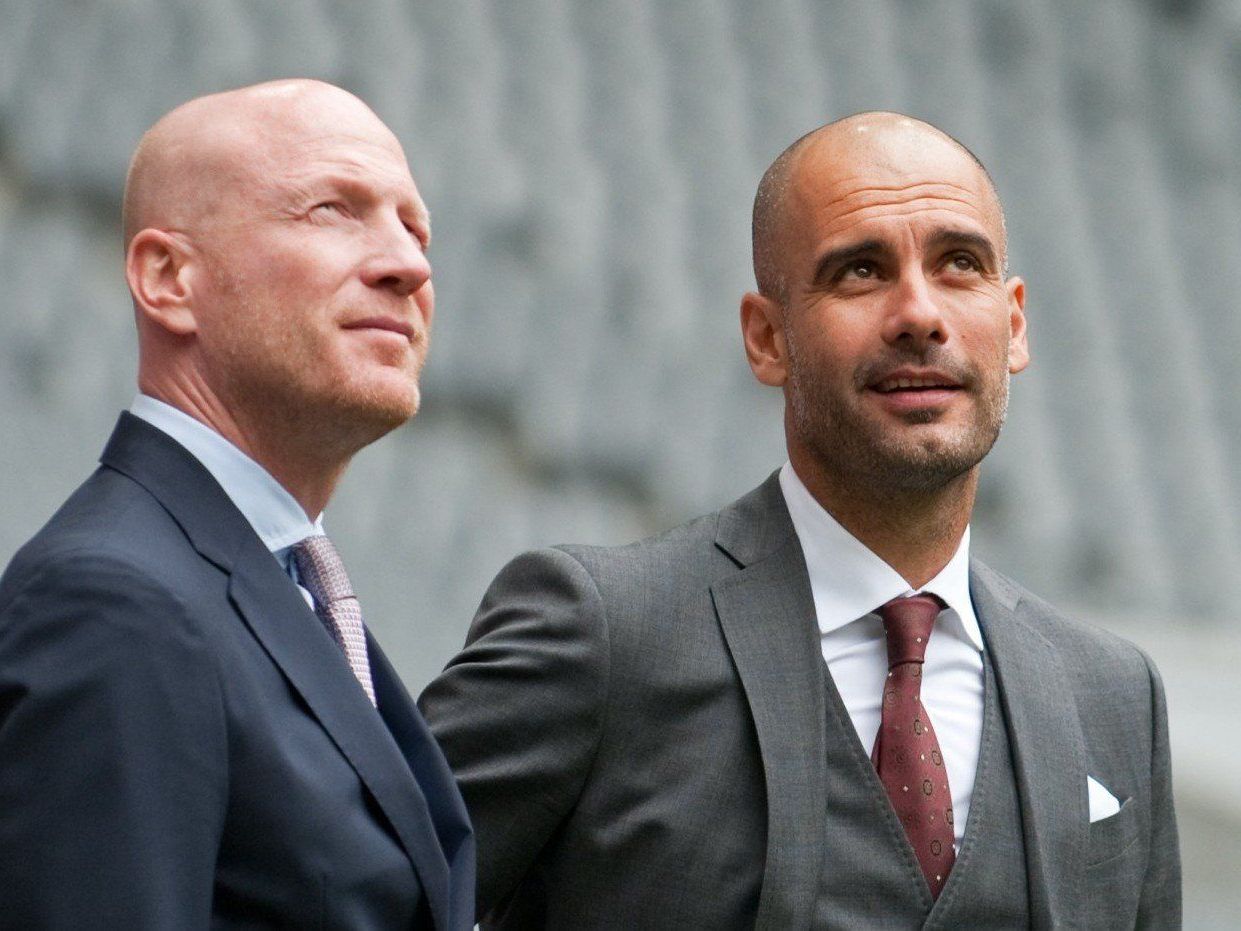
{"type": "Point", "coordinates": [312, 291]}
{"type": "Point", "coordinates": [897, 330]}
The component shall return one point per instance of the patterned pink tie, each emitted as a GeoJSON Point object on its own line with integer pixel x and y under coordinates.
{"type": "Point", "coordinates": [906, 753]}
{"type": "Point", "coordinates": [323, 574]}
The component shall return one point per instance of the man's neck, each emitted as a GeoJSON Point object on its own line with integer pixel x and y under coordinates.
{"type": "Point", "coordinates": [914, 532]}
{"type": "Point", "coordinates": [308, 472]}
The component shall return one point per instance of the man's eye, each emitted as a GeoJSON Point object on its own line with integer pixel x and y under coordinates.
{"type": "Point", "coordinates": [329, 206]}
{"type": "Point", "coordinates": [860, 270]}
{"type": "Point", "coordinates": [964, 262]}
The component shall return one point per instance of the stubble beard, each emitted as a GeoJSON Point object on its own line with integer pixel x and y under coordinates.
{"type": "Point", "coordinates": [282, 384]}
{"type": "Point", "coordinates": [878, 458]}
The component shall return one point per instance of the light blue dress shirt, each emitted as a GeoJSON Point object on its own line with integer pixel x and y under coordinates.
{"type": "Point", "coordinates": [274, 514]}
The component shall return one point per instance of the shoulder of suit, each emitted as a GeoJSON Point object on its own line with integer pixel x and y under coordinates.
{"type": "Point", "coordinates": [112, 511]}
{"type": "Point", "coordinates": [652, 574]}
{"type": "Point", "coordinates": [749, 528]}
{"type": "Point", "coordinates": [112, 538]}
{"type": "Point", "coordinates": [686, 550]}
{"type": "Point", "coordinates": [1079, 641]}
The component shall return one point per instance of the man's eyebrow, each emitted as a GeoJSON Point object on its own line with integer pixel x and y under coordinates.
{"type": "Point", "coordinates": [846, 254]}
{"type": "Point", "coordinates": [966, 238]}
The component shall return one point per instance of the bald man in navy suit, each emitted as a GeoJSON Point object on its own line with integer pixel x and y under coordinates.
{"type": "Point", "coordinates": [195, 727]}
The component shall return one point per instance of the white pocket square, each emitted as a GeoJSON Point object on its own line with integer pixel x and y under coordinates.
{"type": "Point", "coordinates": [1103, 804]}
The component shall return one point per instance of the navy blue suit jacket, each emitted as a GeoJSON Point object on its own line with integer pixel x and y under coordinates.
{"type": "Point", "coordinates": [183, 745]}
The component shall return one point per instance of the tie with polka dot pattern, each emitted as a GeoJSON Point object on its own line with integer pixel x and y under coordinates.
{"type": "Point", "coordinates": [906, 752]}
{"type": "Point", "coordinates": [320, 569]}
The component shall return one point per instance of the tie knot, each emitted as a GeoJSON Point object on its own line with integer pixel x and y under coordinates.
{"type": "Point", "coordinates": [321, 570]}
{"type": "Point", "coordinates": [907, 623]}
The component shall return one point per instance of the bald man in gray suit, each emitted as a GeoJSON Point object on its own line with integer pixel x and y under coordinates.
{"type": "Point", "coordinates": [704, 729]}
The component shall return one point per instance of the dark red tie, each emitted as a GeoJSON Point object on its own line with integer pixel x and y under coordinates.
{"type": "Point", "coordinates": [906, 753]}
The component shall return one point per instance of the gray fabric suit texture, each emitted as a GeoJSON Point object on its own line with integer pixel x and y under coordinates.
{"type": "Point", "coordinates": [641, 736]}
{"type": "Point", "coordinates": [870, 877]}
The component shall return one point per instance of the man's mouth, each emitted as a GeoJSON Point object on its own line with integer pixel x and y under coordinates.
{"type": "Point", "coordinates": [914, 383]}
{"type": "Point", "coordinates": [389, 324]}
{"type": "Point", "coordinates": [908, 389]}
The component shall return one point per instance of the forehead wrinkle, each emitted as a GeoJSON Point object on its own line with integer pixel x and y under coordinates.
{"type": "Point", "coordinates": [347, 142]}
{"type": "Point", "coordinates": [353, 155]}
{"type": "Point", "coordinates": [857, 187]}
{"type": "Point", "coordinates": [847, 158]}
{"type": "Point", "coordinates": [938, 203]}
{"type": "Point", "coordinates": [384, 174]}
{"type": "Point", "coordinates": [873, 186]}
{"type": "Point", "coordinates": [389, 182]}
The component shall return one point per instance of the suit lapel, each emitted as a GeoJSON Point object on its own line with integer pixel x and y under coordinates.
{"type": "Point", "coordinates": [767, 615]}
{"type": "Point", "coordinates": [766, 611]}
{"type": "Point", "coordinates": [289, 632]}
{"type": "Point", "coordinates": [448, 870]}
{"type": "Point", "coordinates": [300, 646]}
{"type": "Point", "coordinates": [1048, 749]}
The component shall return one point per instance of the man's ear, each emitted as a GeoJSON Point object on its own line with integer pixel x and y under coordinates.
{"type": "Point", "coordinates": [157, 269]}
{"type": "Point", "coordinates": [762, 331]}
{"type": "Point", "coordinates": [1018, 347]}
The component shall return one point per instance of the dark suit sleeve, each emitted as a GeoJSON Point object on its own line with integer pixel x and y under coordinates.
{"type": "Point", "coordinates": [1160, 905]}
{"type": "Point", "coordinates": [111, 736]}
{"type": "Point", "coordinates": [519, 711]}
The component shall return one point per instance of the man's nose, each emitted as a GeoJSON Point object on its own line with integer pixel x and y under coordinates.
{"type": "Point", "coordinates": [914, 315]}
{"type": "Point", "coordinates": [398, 263]}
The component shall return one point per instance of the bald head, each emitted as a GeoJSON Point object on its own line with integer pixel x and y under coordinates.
{"type": "Point", "coordinates": [888, 144]}
{"type": "Point", "coordinates": [209, 147]}
{"type": "Point", "coordinates": [276, 256]}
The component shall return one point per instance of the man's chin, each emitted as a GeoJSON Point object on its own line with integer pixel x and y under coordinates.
{"type": "Point", "coordinates": [930, 460]}
{"type": "Point", "coordinates": [921, 416]}
{"type": "Point", "coordinates": [393, 412]}
{"type": "Point", "coordinates": [381, 407]}
{"type": "Point", "coordinates": [923, 426]}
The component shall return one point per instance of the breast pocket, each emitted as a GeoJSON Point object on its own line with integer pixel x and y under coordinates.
{"type": "Point", "coordinates": [1114, 870]}
{"type": "Point", "coordinates": [1113, 837]}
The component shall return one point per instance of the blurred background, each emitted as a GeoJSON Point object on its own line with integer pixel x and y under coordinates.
{"type": "Point", "coordinates": [590, 166]}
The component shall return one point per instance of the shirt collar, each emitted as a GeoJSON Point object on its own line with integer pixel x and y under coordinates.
{"type": "Point", "coordinates": [849, 581]}
{"type": "Point", "coordinates": [274, 514]}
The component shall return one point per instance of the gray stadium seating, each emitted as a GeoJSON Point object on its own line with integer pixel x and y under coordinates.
{"type": "Point", "coordinates": [589, 165]}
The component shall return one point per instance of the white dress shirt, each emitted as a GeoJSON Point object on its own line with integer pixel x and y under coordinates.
{"type": "Point", "coordinates": [850, 584]}
{"type": "Point", "coordinates": [274, 514]}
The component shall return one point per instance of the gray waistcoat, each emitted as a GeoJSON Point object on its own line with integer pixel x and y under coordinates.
{"type": "Point", "coordinates": [870, 877]}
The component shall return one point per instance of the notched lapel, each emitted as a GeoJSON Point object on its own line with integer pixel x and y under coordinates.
{"type": "Point", "coordinates": [441, 795]}
{"type": "Point", "coordinates": [767, 614]}
{"type": "Point", "coordinates": [292, 636]}
{"type": "Point", "coordinates": [297, 643]}
{"type": "Point", "coordinates": [1049, 755]}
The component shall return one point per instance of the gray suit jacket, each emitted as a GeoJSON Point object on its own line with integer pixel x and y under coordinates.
{"type": "Point", "coordinates": [639, 734]}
